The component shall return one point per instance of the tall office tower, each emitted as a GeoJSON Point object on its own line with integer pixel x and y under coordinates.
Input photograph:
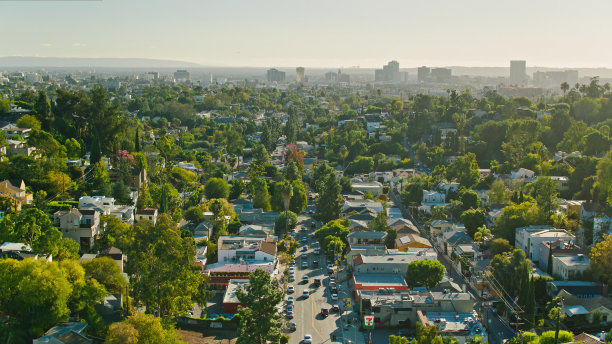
{"type": "Point", "coordinates": [518, 72]}
{"type": "Point", "coordinates": [182, 75]}
{"type": "Point", "coordinates": [299, 74]}
{"type": "Point", "coordinates": [389, 73]}
{"type": "Point", "coordinates": [423, 74]}
{"type": "Point", "coordinates": [275, 75]}
{"type": "Point", "coordinates": [443, 75]}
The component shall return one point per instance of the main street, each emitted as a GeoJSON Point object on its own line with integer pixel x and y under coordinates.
{"type": "Point", "coordinates": [307, 310]}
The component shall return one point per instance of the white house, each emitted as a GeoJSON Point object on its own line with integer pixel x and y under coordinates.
{"type": "Point", "coordinates": [432, 196]}
{"type": "Point", "coordinates": [570, 267]}
{"type": "Point", "coordinates": [243, 248]}
{"type": "Point", "coordinates": [529, 239]}
{"type": "Point", "coordinates": [522, 173]}
{"type": "Point", "coordinates": [375, 188]}
{"type": "Point", "coordinates": [106, 206]}
{"type": "Point", "coordinates": [601, 225]}
{"type": "Point", "coordinates": [80, 225]}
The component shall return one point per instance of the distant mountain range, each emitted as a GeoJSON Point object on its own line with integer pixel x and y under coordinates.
{"type": "Point", "coordinates": [80, 62]}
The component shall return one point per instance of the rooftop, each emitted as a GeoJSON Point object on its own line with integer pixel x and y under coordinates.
{"type": "Point", "coordinates": [381, 280]}
{"type": "Point", "coordinates": [576, 260]}
{"type": "Point", "coordinates": [234, 267]}
{"type": "Point", "coordinates": [368, 235]}
{"type": "Point", "coordinates": [232, 286]}
{"type": "Point", "coordinates": [463, 324]}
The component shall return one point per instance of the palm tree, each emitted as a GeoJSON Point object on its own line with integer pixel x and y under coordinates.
{"type": "Point", "coordinates": [287, 193]}
{"type": "Point", "coordinates": [565, 87]}
{"type": "Point", "coordinates": [482, 234]}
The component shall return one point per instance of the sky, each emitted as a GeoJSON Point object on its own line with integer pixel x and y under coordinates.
{"type": "Point", "coordinates": [314, 33]}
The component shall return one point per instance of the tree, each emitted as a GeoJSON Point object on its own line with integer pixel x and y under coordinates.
{"type": "Point", "coordinates": [472, 219]}
{"type": "Point", "coordinates": [329, 202]}
{"type": "Point", "coordinates": [106, 271]}
{"type": "Point", "coordinates": [161, 268]}
{"type": "Point", "coordinates": [507, 269]}
{"type": "Point", "coordinates": [259, 318]}
{"type": "Point", "coordinates": [286, 220]}
{"type": "Point", "coordinates": [544, 190]}
{"type": "Point", "coordinates": [261, 197]}
{"type": "Point", "coordinates": [497, 193]}
{"type": "Point", "coordinates": [73, 148]}
{"type": "Point", "coordinates": [464, 170]}
{"type": "Point", "coordinates": [482, 234]}
{"type": "Point", "coordinates": [299, 199]}
{"type": "Point", "coordinates": [601, 260]}
{"type": "Point", "coordinates": [288, 244]}
{"type": "Point", "coordinates": [28, 121]}
{"type": "Point", "coordinates": [604, 173]}
{"type": "Point", "coordinates": [236, 189]}
{"type": "Point", "coordinates": [292, 172]}
{"type": "Point", "coordinates": [499, 246]}
{"type": "Point", "coordinates": [425, 272]}
{"type": "Point", "coordinates": [427, 334]}
{"type": "Point", "coordinates": [216, 188]}
{"type": "Point", "coordinates": [121, 193]}
{"type": "Point", "coordinates": [515, 216]}
{"type": "Point", "coordinates": [565, 87]}
{"type": "Point", "coordinates": [334, 247]}
{"type": "Point", "coordinates": [469, 199]}
{"type": "Point", "coordinates": [142, 329]}
{"type": "Point", "coordinates": [42, 107]}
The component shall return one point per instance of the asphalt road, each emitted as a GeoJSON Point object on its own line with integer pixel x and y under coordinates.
{"type": "Point", "coordinates": [307, 310]}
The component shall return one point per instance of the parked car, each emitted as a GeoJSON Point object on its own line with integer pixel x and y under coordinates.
{"type": "Point", "coordinates": [324, 312]}
{"type": "Point", "coordinates": [315, 263]}
{"type": "Point", "coordinates": [304, 255]}
{"type": "Point", "coordinates": [292, 326]}
{"type": "Point", "coordinates": [334, 297]}
{"type": "Point", "coordinates": [305, 294]}
{"type": "Point", "coordinates": [304, 264]}
{"type": "Point", "coordinates": [289, 315]}
{"type": "Point", "coordinates": [313, 225]}
{"type": "Point", "coordinates": [291, 277]}
{"type": "Point", "coordinates": [290, 289]}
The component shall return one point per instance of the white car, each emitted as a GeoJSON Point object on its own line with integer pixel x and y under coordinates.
{"type": "Point", "coordinates": [305, 294]}
{"type": "Point", "coordinates": [290, 289]}
{"type": "Point", "coordinates": [307, 339]}
{"type": "Point", "coordinates": [334, 297]}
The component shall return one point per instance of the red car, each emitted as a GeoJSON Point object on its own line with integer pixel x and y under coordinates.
{"type": "Point", "coordinates": [289, 315]}
{"type": "Point", "coordinates": [313, 225]}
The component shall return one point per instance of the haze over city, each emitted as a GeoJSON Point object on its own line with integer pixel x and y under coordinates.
{"type": "Point", "coordinates": [314, 33]}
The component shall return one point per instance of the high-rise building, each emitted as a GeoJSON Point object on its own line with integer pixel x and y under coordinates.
{"type": "Point", "coordinates": [518, 72]}
{"type": "Point", "coordinates": [299, 74]}
{"type": "Point", "coordinates": [442, 75]}
{"type": "Point", "coordinates": [389, 73]}
{"type": "Point", "coordinates": [423, 74]}
{"type": "Point", "coordinates": [554, 79]}
{"type": "Point", "coordinates": [275, 75]}
{"type": "Point", "coordinates": [182, 75]}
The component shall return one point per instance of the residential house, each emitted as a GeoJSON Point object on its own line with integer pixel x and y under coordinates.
{"type": "Point", "coordinates": [562, 182]}
{"type": "Point", "coordinates": [570, 267]}
{"type": "Point", "coordinates": [255, 230]}
{"type": "Point", "coordinates": [405, 173]}
{"type": "Point", "coordinates": [243, 248]}
{"type": "Point", "coordinates": [16, 147]}
{"type": "Point", "coordinates": [523, 174]}
{"type": "Point", "coordinates": [360, 205]}
{"type": "Point", "coordinates": [557, 248]}
{"type": "Point", "coordinates": [437, 227]}
{"type": "Point", "coordinates": [402, 226]}
{"type": "Point", "coordinates": [601, 225]}
{"type": "Point", "coordinates": [366, 238]}
{"type": "Point", "coordinates": [375, 188]}
{"type": "Point", "coordinates": [20, 251]}
{"type": "Point", "coordinates": [65, 332]}
{"type": "Point", "coordinates": [450, 240]}
{"type": "Point", "coordinates": [587, 307]}
{"type": "Point", "coordinates": [146, 214]}
{"type": "Point", "coordinates": [80, 225]}
{"type": "Point", "coordinates": [431, 199]}
{"type": "Point", "coordinates": [483, 196]}
{"type": "Point", "coordinates": [386, 176]}
{"type": "Point", "coordinates": [529, 239]}
{"type": "Point", "coordinates": [411, 241]}
{"type": "Point", "coordinates": [581, 289]}
{"type": "Point", "coordinates": [16, 190]}
{"type": "Point", "coordinates": [106, 206]}
{"type": "Point", "coordinates": [373, 122]}
{"type": "Point", "coordinates": [447, 188]}
{"type": "Point", "coordinates": [11, 131]}
{"type": "Point", "coordinates": [590, 210]}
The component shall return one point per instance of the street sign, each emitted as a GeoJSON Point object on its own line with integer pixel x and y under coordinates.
{"type": "Point", "coordinates": [368, 321]}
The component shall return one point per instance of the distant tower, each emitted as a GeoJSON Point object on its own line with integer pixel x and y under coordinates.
{"type": "Point", "coordinates": [299, 74]}
{"type": "Point", "coordinates": [518, 72]}
{"type": "Point", "coordinates": [423, 74]}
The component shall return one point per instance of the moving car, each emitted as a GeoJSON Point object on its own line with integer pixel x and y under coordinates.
{"type": "Point", "coordinates": [304, 264]}
{"type": "Point", "coordinates": [324, 312]}
{"type": "Point", "coordinates": [336, 308]}
{"type": "Point", "coordinates": [313, 225]}
{"type": "Point", "coordinates": [317, 282]}
{"type": "Point", "coordinates": [334, 297]}
{"type": "Point", "coordinates": [305, 279]}
{"type": "Point", "coordinates": [305, 294]}
{"type": "Point", "coordinates": [315, 263]}
{"type": "Point", "coordinates": [304, 255]}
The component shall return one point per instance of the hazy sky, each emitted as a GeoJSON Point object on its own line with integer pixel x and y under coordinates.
{"type": "Point", "coordinates": [315, 33]}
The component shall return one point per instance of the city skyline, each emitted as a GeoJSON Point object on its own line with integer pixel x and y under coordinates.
{"type": "Point", "coordinates": [316, 35]}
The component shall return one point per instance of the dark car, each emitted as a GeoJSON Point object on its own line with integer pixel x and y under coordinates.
{"type": "Point", "coordinates": [317, 282]}
{"type": "Point", "coordinates": [336, 308]}
{"type": "Point", "coordinates": [315, 263]}
{"type": "Point", "coordinates": [324, 312]}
